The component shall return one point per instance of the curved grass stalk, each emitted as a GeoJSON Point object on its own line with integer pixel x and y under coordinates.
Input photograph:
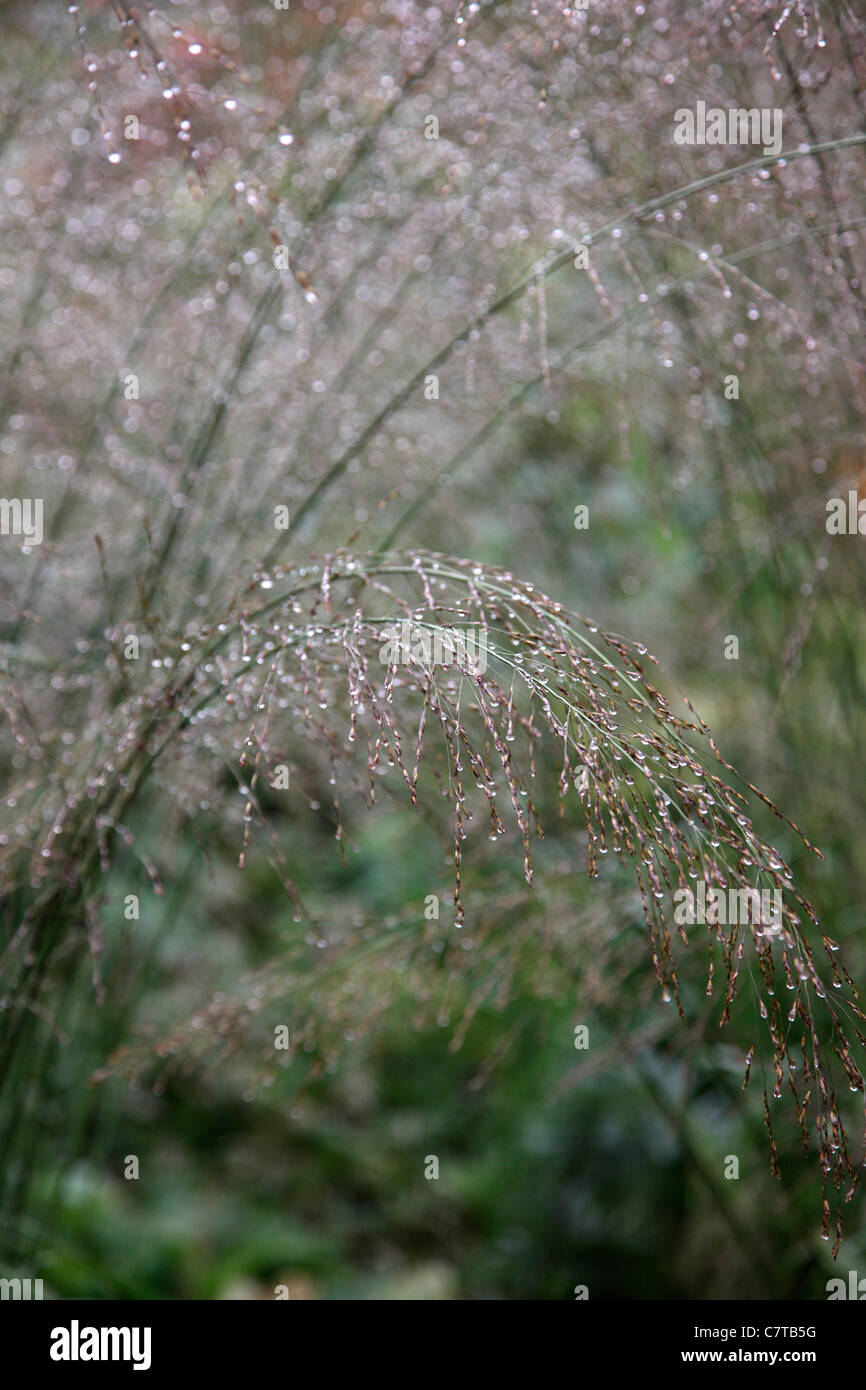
{"type": "Point", "coordinates": [302, 668]}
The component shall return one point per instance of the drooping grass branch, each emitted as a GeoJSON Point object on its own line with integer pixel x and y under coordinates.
{"type": "Point", "coordinates": [375, 662]}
